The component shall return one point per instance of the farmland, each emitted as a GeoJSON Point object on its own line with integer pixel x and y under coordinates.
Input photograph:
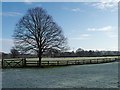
{"type": "Point", "coordinates": [66, 58]}
{"type": "Point", "coordinates": [76, 76]}
{"type": "Point", "coordinates": [71, 58]}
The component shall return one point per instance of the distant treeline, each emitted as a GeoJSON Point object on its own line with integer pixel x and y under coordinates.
{"type": "Point", "coordinates": [81, 53]}
{"type": "Point", "coordinates": [57, 53]}
{"type": "Point", "coordinates": [89, 53]}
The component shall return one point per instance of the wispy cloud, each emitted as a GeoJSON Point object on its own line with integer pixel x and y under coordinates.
{"type": "Point", "coordinates": [82, 37]}
{"type": "Point", "coordinates": [106, 4]}
{"type": "Point", "coordinates": [73, 9]}
{"type": "Point", "coordinates": [103, 49]}
{"type": "Point", "coordinates": [108, 30]}
{"type": "Point", "coordinates": [103, 29]}
{"type": "Point", "coordinates": [29, 2]}
{"type": "Point", "coordinates": [10, 14]}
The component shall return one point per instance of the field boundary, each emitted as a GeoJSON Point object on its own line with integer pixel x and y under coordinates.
{"type": "Point", "coordinates": [23, 62]}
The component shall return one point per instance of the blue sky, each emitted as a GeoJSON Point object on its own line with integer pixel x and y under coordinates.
{"type": "Point", "coordinates": [87, 25]}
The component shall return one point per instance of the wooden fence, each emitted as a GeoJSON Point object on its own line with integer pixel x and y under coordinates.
{"type": "Point", "coordinates": [18, 63]}
{"type": "Point", "coordinates": [13, 63]}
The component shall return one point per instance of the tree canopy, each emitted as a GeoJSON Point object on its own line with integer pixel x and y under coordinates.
{"type": "Point", "coordinates": [37, 32]}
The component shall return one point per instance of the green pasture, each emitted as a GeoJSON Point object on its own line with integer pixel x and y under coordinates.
{"type": "Point", "coordinates": [66, 58]}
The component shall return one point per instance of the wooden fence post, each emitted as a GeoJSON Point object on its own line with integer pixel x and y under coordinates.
{"type": "Point", "coordinates": [2, 62]}
{"type": "Point", "coordinates": [22, 62]}
{"type": "Point", "coordinates": [67, 62]}
{"type": "Point", "coordinates": [24, 59]}
{"type": "Point", "coordinates": [115, 59]}
{"type": "Point", "coordinates": [104, 60]}
{"type": "Point", "coordinates": [48, 62]}
{"type": "Point", "coordinates": [97, 61]}
{"type": "Point", "coordinates": [83, 61]}
{"type": "Point", "coordinates": [90, 61]}
{"type": "Point", "coordinates": [109, 59]}
{"type": "Point", "coordinates": [75, 62]}
{"type": "Point", "coordinates": [57, 62]}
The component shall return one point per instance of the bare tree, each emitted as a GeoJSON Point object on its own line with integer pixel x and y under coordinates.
{"type": "Point", "coordinates": [14, 53]}
{"type": "Point", "coordinates": [36, 31]}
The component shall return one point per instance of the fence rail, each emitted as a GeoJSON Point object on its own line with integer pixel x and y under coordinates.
{"type": "Point", "coordinates": [18, 63]}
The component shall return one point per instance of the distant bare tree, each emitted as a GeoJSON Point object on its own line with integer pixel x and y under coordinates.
{"type": "Point", "coordinates": [14, 53]}
{"type": "Point", "coordinates": [36, 31]}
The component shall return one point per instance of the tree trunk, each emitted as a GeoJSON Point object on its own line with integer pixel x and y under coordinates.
{"type": "Point", "coordinates": [39, 60]}
{"type": "Point", "coordinates": [39, 56]}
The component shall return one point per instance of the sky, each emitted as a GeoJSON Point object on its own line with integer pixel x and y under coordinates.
{"type": "Point", "coordinates": [87, 25]}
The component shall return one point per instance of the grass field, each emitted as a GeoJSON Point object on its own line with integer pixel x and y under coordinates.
{"type": "Point", "coordinates": [70, 58]}
{"type": "Point", "coordinates": [76, 76]}
{"type": "Point", "coordinates": [66, 58]}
